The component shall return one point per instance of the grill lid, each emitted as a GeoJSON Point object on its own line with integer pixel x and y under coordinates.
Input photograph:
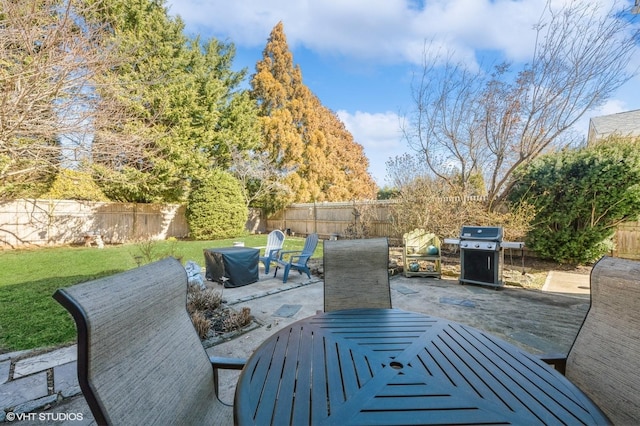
{"type": "Point", "coordinates": [484, 233]}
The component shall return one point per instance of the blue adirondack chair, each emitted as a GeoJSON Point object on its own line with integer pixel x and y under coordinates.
{"type": "Point", "coordinates": [275, 240]}
{"type": "Point", "coordinates": [297, 259]}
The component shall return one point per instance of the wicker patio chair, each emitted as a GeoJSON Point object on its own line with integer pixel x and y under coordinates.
{"type": "Point", "coordinates": [356, 274]}
{"type": "Point", "coordinates": [604, 359]}
{"type": "Point", "coordinates": [140, 360]}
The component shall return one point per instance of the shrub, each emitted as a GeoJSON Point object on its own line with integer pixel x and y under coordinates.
{"type": "Point", "coordinates": [423, 202]}
{"type": "Point", "coordinates": [579, 197]}
{"type": "Point", "coordinates": [151, 250]}
{"type": "Point", "coordinates": [75, 185]}
{"type": "Point", "coordinates": [216, 207]}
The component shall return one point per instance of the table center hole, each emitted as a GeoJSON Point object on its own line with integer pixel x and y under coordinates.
{"type": "Point", "coordinates": [396, 365]}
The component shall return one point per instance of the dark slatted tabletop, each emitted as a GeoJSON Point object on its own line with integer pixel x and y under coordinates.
{"type": "Point", "coordinates": [388, 367]}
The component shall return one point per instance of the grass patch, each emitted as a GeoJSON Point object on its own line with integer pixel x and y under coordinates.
{"type": "Point", "coordinates": [30, 318]}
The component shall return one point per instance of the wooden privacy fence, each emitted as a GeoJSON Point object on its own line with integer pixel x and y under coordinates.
{"type": "Point", "coordinates": [31, 222]}
{"type": "Point", "coordinates": [627, 240]}
{"type": "Point", "coordinates": [335, 219]}
{"type": "Point", "coordinates": [38, 222]}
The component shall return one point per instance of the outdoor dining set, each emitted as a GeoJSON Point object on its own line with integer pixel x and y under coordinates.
{"type": "Point", "coordinates": [356, 361]}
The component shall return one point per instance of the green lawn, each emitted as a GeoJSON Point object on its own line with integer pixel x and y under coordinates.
{"type": "Point", "coordinates": [30, 318]}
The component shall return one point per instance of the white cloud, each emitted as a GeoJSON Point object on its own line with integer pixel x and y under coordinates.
{"type": "Point", "coordinates": [380, 136]}
{"type": "Point", "coordinates": [388, 31]}
{"type": "Point", "coordinates": [372, 32]}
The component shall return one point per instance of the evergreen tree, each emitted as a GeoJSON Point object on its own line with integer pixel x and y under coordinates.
{"type": "Point", "coordinates": [316, 155]}
{"type": "Point", "coordinates": [174, 105]}
{"type": "Point", "coordinates": [580, 197]}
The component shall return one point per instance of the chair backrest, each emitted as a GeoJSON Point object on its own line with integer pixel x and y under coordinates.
{"type": "Point", "coordinates": [275, 240]}
{"type": "Point", "coordinates": [310, 244]}
{"type": "Point", "coordinates": [356, 274]}
{"type": "Point", "coordinates": [140, 360]}
{"type": "Point", "coordinates": [418, 240]}
{"type": "Point", "coordinates": [604, 360]}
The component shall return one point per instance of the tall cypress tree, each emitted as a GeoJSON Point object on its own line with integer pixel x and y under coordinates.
{"type": "Point", "coordinates": [316, 154]}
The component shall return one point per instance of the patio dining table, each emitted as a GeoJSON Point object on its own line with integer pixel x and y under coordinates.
{"type": "Point", "coordinates": [389, 366]}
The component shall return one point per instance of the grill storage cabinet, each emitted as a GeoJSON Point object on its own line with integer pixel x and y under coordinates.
{"type": "Point", "coordinates": [481, 267]}
{"type": "Point", "coordinates": [421, 254]}
{"type": "Point", "coordinates": [481, 255]}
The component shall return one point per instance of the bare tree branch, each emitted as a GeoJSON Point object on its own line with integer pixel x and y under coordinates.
{"type": "Point", "coordinates": [258, 176]}
{"type": "Point", "coordinates": [467, 122]}
{"type": "Point", "coordinates": [48, 57]}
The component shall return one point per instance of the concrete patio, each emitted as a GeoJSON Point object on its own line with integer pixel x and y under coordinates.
{"type": "Point", "coordinates": [42, 382]}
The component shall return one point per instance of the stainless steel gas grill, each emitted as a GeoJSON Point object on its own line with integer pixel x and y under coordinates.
{"type": "Point", "coordinates": [481, 254]}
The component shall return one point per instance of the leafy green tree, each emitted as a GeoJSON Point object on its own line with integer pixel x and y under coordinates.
{"type": "Point", "coordinates": [387, 193]}
{"type": "Point", "coordinates": [580, 196]}
{"type": "Point", "coordinates": [316, 156]}
{"type": "Point", "coordinates": [174, 104]}
{"type": "Point", "coordinates": [216, 207]}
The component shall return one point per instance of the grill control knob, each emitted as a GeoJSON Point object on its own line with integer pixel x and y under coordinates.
{"type": "Point", "coordinates": [477, 245]}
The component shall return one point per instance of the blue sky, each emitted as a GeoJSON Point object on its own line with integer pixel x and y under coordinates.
{"type": "Point", "coordinates": [358, 56]}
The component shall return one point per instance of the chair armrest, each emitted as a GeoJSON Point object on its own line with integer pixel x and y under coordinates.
{"type": "Point", "coordinates": [273, 253]}
{"type": "Point", "coordinates": [290, 252]}
{"type": "Point", "coordinates": [557, 361]}
{"type": "Point", "coordinates": [225, 364]}
{"type": "Point", "coordinates": [301, 259]}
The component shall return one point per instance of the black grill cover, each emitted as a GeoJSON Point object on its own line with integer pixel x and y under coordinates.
{"type": "Point", "coordinates": [239, 264]}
